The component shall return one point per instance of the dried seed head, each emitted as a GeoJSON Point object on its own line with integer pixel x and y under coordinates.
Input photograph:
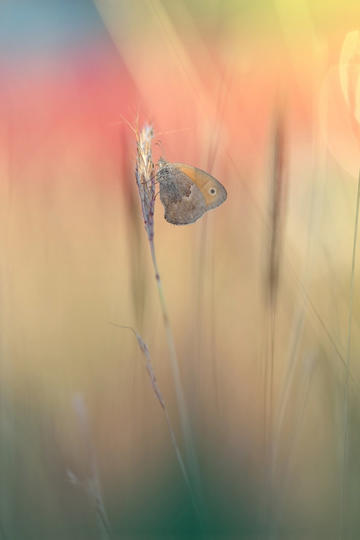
{"type": "Point", "coordinates": [145, 177]}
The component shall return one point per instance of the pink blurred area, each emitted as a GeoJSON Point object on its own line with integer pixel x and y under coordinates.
{"type": "Point", "coordinates": [211, 96]}
{"type": "Point", "coordinates": [48, 109]}
{"type": "Point", "coordinates": [204, 106]}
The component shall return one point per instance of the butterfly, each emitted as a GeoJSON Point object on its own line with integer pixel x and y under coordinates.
{"type": "Point", "coordinates": [187, 192]}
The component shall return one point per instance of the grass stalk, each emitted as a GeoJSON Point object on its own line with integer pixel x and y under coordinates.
{"type": "Point", "coordinates": [274, 254]}
{"type": "Point", "coordinates": [145, 350]}
{"type": "Point", "coordinates": [309, 365]}
{"type": "Point", "coordinates": [347, 374]}
{"type": "Point", "coordinates": [277, 212]}
{"type": "Point", "coordinates": [92, 484]}
{"type": "Point", "coordinates": [145, 179]}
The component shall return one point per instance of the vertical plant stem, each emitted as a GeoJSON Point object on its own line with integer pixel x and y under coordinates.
{"type": "Point", "coordinates": [145, 179]}
{"type": "Point", "coordinates": [347, 373]}
{"type": "Point", "coordinates": [279, 511]}
{"type": "Point", "coordinates": [181, 403]}
{"type": "Point", "coordinates": [145, 350]}
{"type": "Point", "coordinates": [277, 217]}
{"type": "Point", "coordinates": [92, 485]}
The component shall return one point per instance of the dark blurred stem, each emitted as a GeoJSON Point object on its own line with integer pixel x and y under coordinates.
{"type": "Point", "coordinates": [277, 218]}
{"type": "Point", "coordinates": [347, 374]}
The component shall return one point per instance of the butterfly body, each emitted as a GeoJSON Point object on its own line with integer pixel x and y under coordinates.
{"type": "Point", "coordinates": [187, 192]}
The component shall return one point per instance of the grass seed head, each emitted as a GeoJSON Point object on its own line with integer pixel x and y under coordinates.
{"type": "Point", "coordinates": [145, 177]}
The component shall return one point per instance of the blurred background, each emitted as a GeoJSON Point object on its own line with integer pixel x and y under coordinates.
{"type": "Point", "coordinates": [262, 292]}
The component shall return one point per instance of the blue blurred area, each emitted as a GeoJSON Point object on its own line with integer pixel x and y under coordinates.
{"type": "Point", "coordinates": [44, 28]}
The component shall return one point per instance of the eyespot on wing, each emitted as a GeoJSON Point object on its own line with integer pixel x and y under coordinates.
{"type": "Point", "coordinates": [206, 183]}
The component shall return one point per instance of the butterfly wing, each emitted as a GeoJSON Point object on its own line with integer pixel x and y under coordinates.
{"type": "Point", "coordinates": [212, 190]}
{"type": "Point", "coordinates": [182, 199]}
